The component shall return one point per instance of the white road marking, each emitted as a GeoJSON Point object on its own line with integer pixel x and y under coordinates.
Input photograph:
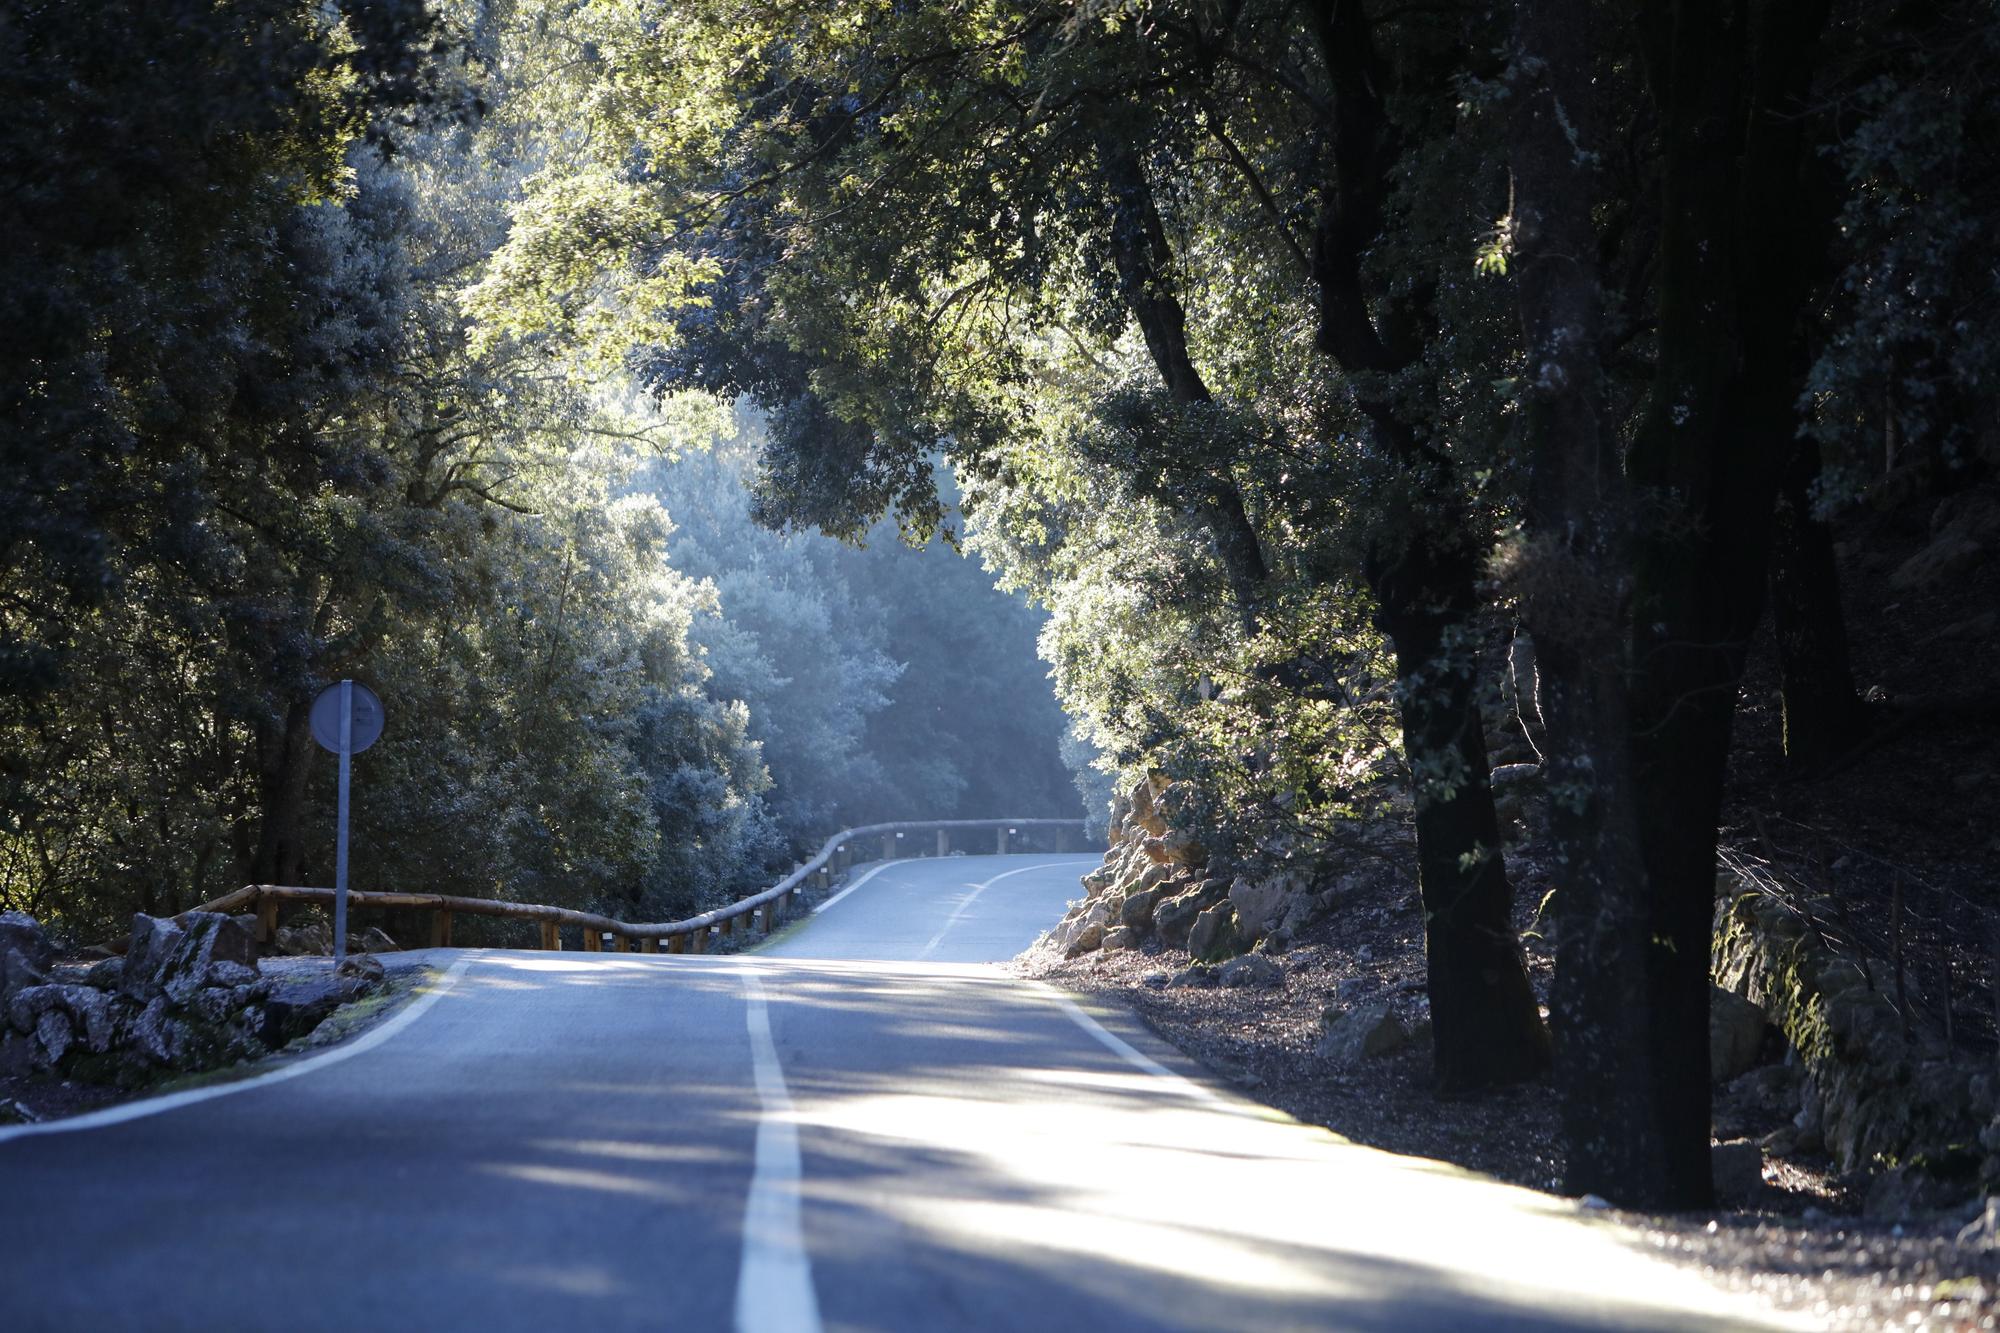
{"type": "Point", "coordinates": [1138, 1059]}
{"type": "Point", "coordinates": [978, 889]}
{"type": "Point", "coordinates": [774, 1286]}
{"type": "Point", "coordinates": [368, 1041]}
{"type": "Point", "coordinates": [886, 865]}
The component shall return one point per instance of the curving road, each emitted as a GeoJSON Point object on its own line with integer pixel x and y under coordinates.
{"type": "Point", "coordinates": [863, 1126]}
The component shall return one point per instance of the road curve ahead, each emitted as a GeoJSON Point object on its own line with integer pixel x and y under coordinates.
{"type": "Point", "coordinates": [861, 1128]}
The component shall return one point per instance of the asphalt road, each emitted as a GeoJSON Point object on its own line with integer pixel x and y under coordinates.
{"type": "Point", "coordinates": [862, 1127]}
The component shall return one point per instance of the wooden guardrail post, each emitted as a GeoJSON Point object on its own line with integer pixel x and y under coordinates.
{"type": "Point", "coordinates": [944, 842]}
{"type": "Point", "coordinates": [440, 929]}
{"type": "Point", "coordinates": [677, 943]}
{"type": "Point", "coordinates": [649, 945]}
{"type": "Point", "coordinates": [698, 940]}
{"type": "Point", "coordinates": [267, 919]}
{"type": "Point", "coordinates": [593, 940]}
{"type": "Point", "coordinates": [1001, 840]}
{"type": "Point", "coordinates": [726, 928]}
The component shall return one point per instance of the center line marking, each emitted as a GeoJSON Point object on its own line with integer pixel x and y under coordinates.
{"type": "Point", "coordinates": [978, 889]}
{"type": "Point", "coordinates": [774, 1286]}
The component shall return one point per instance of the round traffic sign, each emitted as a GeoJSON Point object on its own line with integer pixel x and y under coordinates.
{"type": "Point", "coordinates": [363, 730]}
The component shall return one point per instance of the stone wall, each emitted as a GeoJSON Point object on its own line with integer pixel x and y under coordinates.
{"type": "Point", "coordinates": [1875, 1094]}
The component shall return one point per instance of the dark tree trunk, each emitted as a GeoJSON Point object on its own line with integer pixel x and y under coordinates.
{"type": "Point", "coordinates": [1824, 714]}
{"type": "Point", "coordinates": [1144, 258]}
{"type": "Point", "coordinates": [1572, 577]}
{"type": "Point", "coordinates": [1734, 256]}
{"type": "Point", "coordinates": [1486, 1027]}
{"type": "Point", "coordinates": [283, 757]}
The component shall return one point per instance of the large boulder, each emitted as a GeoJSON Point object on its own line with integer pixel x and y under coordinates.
{"type": "Point", "coordinates": [149, 956]}
{"type": "Point", "coordinates": [1347, 1036]}
{"type": "Point", "coordinates": [1216, 934]}
{"type": "Point", "coordinates": [1735, 1034]}
{"type": "Point", "coordinates": [24, 935]}
{"type": "Point", "coordinates": [1174, 919]}
{"type": "Point", "coordinates": [1260, 906]}
{"type": "Point", "coordinates": [18, 971]}
{"type": "Point", "coordinates": [296, 1007]}
{"type": "Point", "coordinates": [1139, 908]}
{"type": "Point", "coordinates": [1253, 969]}
{"type": "Point", "coordinates": [173, 957]}
{"type": "Point", "coordinates": [310, 938]}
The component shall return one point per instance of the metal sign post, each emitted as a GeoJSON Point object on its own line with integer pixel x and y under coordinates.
{"type": "Point", "coordinates": [346, 719]}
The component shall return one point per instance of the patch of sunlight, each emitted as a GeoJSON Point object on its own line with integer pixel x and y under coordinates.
{"type": "Point", "coordinates": [1169, 1250]}
{"type": "Point", "coordinates": [633, 1152]}
{"type": "Point", "coordinates": [1183, 1186]}
{"type": "Point", "coordinates": [575, 1280]}
{"type": "Point", "coordinates": [578, 1178]}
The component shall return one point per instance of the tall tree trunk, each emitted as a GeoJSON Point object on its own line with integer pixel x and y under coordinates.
{"type": "Point", "coordinates": [1486, 1027]}
{"type": "Point", "coordinates": [1823, 712]}
{"type": "Point", "coordinates": [1734, 255]}
{"type": "Point", "coordinates": [283, 757]}
{"type": "Point", "coordinates": [1144, 259]}
{"type": "Point", "coordinates": [1573, 576]}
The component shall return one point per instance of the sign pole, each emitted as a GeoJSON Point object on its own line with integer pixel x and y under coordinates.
{"type": "Point", "coordinates": [340, 838]}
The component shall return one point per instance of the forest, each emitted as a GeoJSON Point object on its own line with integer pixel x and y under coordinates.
{"type": "Point", "coordinates": [615, 385]}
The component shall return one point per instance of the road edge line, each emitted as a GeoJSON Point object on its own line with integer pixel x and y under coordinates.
{"type": "Point", "coordinates": [173, 1101]}
{"type": "Point", "coordinates": [1145, 1063]}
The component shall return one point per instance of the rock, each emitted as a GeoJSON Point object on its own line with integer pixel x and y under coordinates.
{"type": "Point", "coordinates": [1735, 1034]}
{"type": "Point", "coordinates": [1365, 1030]}
{"type": "Point", "coordinates": [24, 935]}
{"type": "Point", "coordinates": [1174, 919]}
{"type": "Point", "coordinates": [18, 971]}
{"type": "Point", "coordinates": [13, 1113]}
{"type": "Point", "coordinates": [296, 1007]}
{"type": "Point", "coordinates": [1139, 908]}
{"type": "Point", "coordinates": [1903, 1193]}
{"type": "Point", "coordinates": [1772, 1088]}
{"type": "Point", "coordinates": [1120, 937]}
{"type": "Point", "coordinates": [156, 942]}
{"type": "Point", "coordinates": [311, 938]}
{"type": "Point", "coordinates": [1157, 980]}
{"type": "Point", "coordinates": [1260, 907]}
{"type": "Point", "coordinates": [372, 940]}
{"type": "Point", "coordinates": [365, 970]}
{"type": "Point", "coordinates": [1196, 974]}
{"type": "Point", "coordinates": [1253, 969]}
{"type": "Point", "coordinates": [108, 974]}
{"type": "Point", "coordinates": [53, 1035]}
{"type": "Point", "coordinates": [1737, 1168]}
{"type": "Point", "coordinates": [87, 1015]}
{"type": "Point", "coordinates": [1983, 1231]}
{"type": "Point", "coordinates": [157, 1035]}
{"type": "Point", "coordinates": [229, 974]}
{"type": "Point", "coordinates": [1216, 935]}
{"type": "Point", "coordinates": [1511, 774]}
{"type": "Point", "coordinates": [1086, 940]}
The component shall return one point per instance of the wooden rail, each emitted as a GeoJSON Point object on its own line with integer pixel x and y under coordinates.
{"type": "Point", "coordinates": [759, 911]}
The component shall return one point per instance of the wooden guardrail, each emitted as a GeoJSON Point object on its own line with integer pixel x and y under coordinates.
{"type": "Point", "coordinates": [759, 911]}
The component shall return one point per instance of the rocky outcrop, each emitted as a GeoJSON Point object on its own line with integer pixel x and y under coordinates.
{"type": "Point", "coordinates": [1876, 1094]}
{"type": "Point", "coordinates": [187, 995]}
{"type": "Point", "coordinates": [1158, 889]}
